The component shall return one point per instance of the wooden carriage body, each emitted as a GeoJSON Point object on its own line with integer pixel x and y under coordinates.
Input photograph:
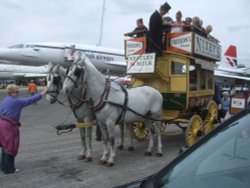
{"type": "Point", "coordinates": [184, 74]}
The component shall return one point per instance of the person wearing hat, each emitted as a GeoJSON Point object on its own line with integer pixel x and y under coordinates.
{"type": "Point", "coordinates": [156, 29]}
{"type": "Point", "coordinates": [10, 111]}
{"type": "Point", "coordinates": [140, 31]}
{"type": "Point", "coordinates": [224, 105]}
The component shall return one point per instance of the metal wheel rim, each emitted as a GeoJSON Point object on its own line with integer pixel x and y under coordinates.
{"type": "Point", "coordinates": [194, 127]}
{"type": "Point", "coordinates": [212, 115]}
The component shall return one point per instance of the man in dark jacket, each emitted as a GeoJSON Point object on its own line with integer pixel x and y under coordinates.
{"type": "Point", "coordinates": [155, 29]}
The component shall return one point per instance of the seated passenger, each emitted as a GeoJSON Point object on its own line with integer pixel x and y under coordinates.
{"type": "Point", "coordinates": [167, 24]}
{"type": "Point", "coordinates": [188, 24]}
{"type": "Point", "coordinates": [139, 31]}
{"type": "Point", "coordinates": [208, 30]}
{"type": "Point", "coordinates": [197, 26]}
{"type": "Point", "coordinates": [178, 25]}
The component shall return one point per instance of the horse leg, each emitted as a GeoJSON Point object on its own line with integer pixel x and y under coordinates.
{"type": "Point", "coordinates": [129, 127]}
{"type": "Point", "coordinates": [88, 131]}
{"type": "Point", "coordinates": [157, 126]}
{"type": "Point", "coordinates": [105, 153]}
{"type": "Point", "coordinates": [121, 126]}
{"type": "Point", "coordinates": [111, 139]}
{"type": "Point", "coordinates": [82, 155]}
{"type": "Point", "coordinates": [151, 138]}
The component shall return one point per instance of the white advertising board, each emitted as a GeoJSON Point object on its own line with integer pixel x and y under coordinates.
{"type": "Point", "coordinates": [143, 63]}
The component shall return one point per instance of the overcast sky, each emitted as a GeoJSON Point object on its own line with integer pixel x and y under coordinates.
{"type": "Point", "coordinates": [78, 21]}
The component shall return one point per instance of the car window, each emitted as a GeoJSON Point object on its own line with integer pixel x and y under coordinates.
{"type": "Point", "coordinates": [226, 155]}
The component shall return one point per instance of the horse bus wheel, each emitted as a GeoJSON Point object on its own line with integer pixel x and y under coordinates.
{"type": "Point", "coordinates": [194, 130]}
{"type": "Point", "coordinates": [140, 131]}
{"type": "Point", "coordinates": [211, 116]}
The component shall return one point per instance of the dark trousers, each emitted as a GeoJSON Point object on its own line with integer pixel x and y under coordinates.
{"type": "Point", "coordinates": [7, 163]}
{"type": "Point", "coordinates": [98, 133]}
{"type": "Point", "coordinates": [222, 113]}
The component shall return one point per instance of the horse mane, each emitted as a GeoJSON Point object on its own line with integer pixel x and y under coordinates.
{"type": "Point", "coordinates": [90, 67]}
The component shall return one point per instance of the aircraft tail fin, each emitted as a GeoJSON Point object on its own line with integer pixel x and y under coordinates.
{"type": "Point", "coordinates": [231, 56]}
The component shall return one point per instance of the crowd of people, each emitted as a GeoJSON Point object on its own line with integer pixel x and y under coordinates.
{"type": "Point", "coordinates": [159, 25]}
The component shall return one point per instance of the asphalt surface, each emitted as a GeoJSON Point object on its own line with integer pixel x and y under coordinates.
{"type": "Point", "coordinates": [48, 160]}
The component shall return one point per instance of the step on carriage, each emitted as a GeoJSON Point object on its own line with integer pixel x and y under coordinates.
{"type": "Point", "coordinates": [184, 75]}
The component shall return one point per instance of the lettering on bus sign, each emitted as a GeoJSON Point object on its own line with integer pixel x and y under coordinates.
{"type": "Point", "coordinates": [144, 63]}
{"type": "Point", "coordinates": [180, 42]}
{"type": "Point", "coordinates": [207, 48]}
{"type": "Point", "coordinates": [135, 46]}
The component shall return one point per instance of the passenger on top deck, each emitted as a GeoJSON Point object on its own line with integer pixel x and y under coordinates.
{"type": "Point", "coordinates": [139, 31]}
{"type": "Point", "coordinates": [178, 25]}
{"type": "Point", "coordinates": [167, 24]}
{"type": "Point", "coordinates": [197, 26]}
{"type": "Point", "coordinates": [188, 24]}
{"type": "Point", "coordinates": [156, 30]}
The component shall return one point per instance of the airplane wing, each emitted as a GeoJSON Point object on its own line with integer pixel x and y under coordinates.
{"type": "Point", "coordinates": [216, 73]}
{"type": "Point", "coordinates": [118, 63]}
{"type": "Point", "coordinates": [28, 75]}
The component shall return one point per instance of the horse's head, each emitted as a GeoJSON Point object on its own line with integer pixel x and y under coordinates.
{"type": "Point", "coordinates": [75, 76]}
{"type": "Point", "coordinates": [54, 83]}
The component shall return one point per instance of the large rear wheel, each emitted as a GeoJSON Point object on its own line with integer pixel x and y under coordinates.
{"type": "Point", "coordinates": [194, 130]}
{"type": "Point", "coordinates": [211, 116]}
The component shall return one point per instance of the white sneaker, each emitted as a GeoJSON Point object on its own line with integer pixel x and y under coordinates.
{"type": "Point", "coordinates": [17, 170]}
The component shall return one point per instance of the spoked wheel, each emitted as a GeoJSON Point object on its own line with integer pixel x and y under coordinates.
{"type": "Point", "coordinates": [140, 131]}
{"type": "Point", "coordinates": [194, 130]}
{"type": "Point", "coordinates": [211, 116]}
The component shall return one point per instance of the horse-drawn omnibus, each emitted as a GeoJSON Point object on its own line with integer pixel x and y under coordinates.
{"type": "Point", "coordinates": [184, 75]}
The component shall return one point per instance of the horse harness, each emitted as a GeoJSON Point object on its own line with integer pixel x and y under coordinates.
{"type": "Point", "coordinates": [104, 100]}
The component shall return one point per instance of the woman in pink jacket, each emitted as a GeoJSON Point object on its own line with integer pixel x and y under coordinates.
{"type": "Point", "coordinates": [10, 111]}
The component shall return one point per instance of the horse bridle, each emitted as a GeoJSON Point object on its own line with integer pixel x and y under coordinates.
{"type": "Point", "coordinates": [56, 81]}
{"type": "Point", "coordinates": [78, 73]}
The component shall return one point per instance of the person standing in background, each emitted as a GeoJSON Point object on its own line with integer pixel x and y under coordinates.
{"type": "Point", "coordinates": [32, 88]}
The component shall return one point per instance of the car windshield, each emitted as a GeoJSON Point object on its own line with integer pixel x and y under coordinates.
{"type": "Point", "coordinates": [223, 160]}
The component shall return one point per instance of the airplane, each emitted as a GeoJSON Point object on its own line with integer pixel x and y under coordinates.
{"type": "Point", "coordinates": [19, 71]}
{"type": "Point", "coordinates": [228, 71]}
{"type": "Point", "coordinates": [230, 63]}
{"type": "Point", "coordinates": [106, 60]}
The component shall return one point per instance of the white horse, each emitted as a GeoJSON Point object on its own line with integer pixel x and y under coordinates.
{"type": "Point", "coordinates": [112, 105]}
{"type": "Point", "coordinates": [55, 78]}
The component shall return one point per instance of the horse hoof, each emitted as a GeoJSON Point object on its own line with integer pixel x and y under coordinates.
{"type": "Point", "coordinates": [88, 159]}
{"type": "Point", "coordinates": [159, 155]}
{"type": "Point", "coordinates": [131, 148]}
{"type": "Point", "coordinates": [81, 157]}
{"type": "Point", "coordinates": [109, 164]}
{"type": "Point", "coordinates": [120, 147]}
{"type": "Point", "coordinates": [147, 153]}
{"type": "Point", "coordinates": [102, 162]}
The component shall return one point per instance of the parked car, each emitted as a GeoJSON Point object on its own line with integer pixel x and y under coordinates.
{"type": "Point", "coordinates": [220, 159]}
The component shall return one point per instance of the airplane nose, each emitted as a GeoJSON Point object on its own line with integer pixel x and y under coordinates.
{"type": "Point", "coordinates": [5, 54]}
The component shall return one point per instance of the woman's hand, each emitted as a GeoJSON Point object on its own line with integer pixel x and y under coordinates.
{"type": "Point", "coordinates": [46, 88]}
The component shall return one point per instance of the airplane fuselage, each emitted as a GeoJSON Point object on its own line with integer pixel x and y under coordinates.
{"type": "Point", "coordinates": [105, 59]}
